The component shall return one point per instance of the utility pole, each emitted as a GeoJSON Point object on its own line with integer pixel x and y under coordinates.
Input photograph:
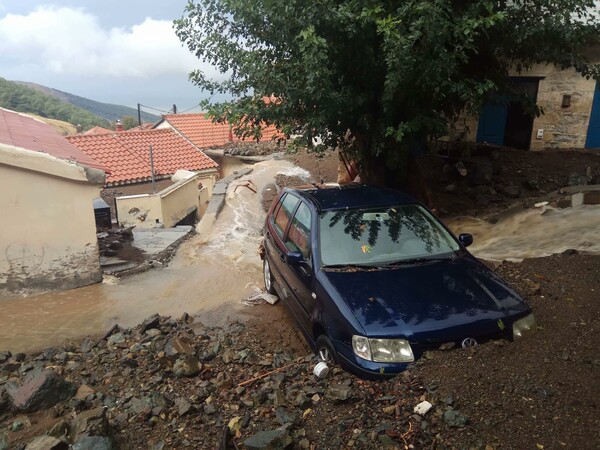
{"type": "Point", "coordinates": [139, 115]}
{"type": "Point", "coordinates": [152, 171]}
{"type": "Point", "coordinates": [174, 108]}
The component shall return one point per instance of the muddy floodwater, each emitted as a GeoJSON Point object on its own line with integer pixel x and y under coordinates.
{"type": "Point", "coordinates": [533, 233]}
{"type": "Point", "coordinates": [208, 279]}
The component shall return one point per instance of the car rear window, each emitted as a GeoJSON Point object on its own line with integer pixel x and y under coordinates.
{"type": "Point", "coordinates": [284, 214]}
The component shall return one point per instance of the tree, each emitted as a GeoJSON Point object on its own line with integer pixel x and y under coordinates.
{"type": "Point", "coordinates": [376, 78]}
{"type": "Point", "coordinates": [129, 122]}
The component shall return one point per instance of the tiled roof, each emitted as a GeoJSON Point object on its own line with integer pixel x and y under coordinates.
{"type": "Point", "coordinates": [97, 130]}
{"type": "Point", "coordinates": [127, 153]}
{"type": "Point", "coordinates": [203, 133]}
{"type": "Point", "coordinates": [21, 130]}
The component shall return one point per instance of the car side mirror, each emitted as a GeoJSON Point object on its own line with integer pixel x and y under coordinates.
{"type": "Point", "coordinates": [294, 258]}
{"type": "Point", "coordinates": [465, 239]}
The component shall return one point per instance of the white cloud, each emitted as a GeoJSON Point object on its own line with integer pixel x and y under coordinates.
{"type": "Point", "coordinates": [71, 41]}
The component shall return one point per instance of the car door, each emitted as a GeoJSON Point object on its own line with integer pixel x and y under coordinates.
{"type": "Point", "coordinates": [300, 276]}
{"type": "Point", "coordinates": [275, 231]}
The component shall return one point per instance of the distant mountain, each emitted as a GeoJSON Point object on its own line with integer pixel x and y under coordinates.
{"type": "Point", "coordinates": [21, 98]}
{"type": "Point", "coordinates": [106, 111]}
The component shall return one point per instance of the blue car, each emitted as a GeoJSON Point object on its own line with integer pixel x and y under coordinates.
{"type": "Point", "coordinates": [373, 279]}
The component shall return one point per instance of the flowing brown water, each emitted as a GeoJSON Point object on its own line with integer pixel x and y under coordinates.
{"type": "Point", "coordinates": [207, 279]}
{"type": "Point", "coordinates": [533, 233]}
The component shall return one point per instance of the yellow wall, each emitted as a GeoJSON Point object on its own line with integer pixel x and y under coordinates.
{"type": "Point", "coordinates": [48, 239]}
{"type": "Point", "coordinates": [167, 207]}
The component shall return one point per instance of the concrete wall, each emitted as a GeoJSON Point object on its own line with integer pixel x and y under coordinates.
{"type": "Point", "coordinates": [48, 239]}
{"type": "Point", "coordinates": [167, 207]}
{"type": "Point", "coordinates": [563, 127]}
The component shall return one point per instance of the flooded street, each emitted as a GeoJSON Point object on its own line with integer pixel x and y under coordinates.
{"type": "Point", "coordinates": [533, 233]}
{"type": "Point", "coordinates": [212, 272]}
{"type": "Point", "coordinates": [207, 279]}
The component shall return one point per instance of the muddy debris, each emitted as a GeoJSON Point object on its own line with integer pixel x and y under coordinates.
{"type": "Point", "coordinates": [170, 383]}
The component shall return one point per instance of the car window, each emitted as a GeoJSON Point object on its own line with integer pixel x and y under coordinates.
{"type": "Point", "coordinates": [284, 214]}
{"type": "Point", "coordinates": [298, 237]}
{"type": "Point", "coordinates": [382, 235]}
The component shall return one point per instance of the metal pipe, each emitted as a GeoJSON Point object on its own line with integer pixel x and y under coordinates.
{"type": "Point", "coordinates": [152, 171]}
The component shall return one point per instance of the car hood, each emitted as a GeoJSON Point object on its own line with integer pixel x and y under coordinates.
{"type": "Point", "coordinates": [438, 301]}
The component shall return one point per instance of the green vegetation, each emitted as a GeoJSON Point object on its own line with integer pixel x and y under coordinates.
{"type": "Point", "coordinates": [376, 78]}
{"type": "Point", "coordinates": [24, 99]}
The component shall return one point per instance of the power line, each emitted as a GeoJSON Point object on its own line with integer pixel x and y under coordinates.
{"type": "Point", "coordinates": [156, 109]}
{"type": "Point", "coordinates": [193, 107]}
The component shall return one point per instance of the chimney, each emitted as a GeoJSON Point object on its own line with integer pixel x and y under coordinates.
{"type": "Point", "coordinates": [119, 127]}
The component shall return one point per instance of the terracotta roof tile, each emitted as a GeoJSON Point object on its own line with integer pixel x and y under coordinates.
{"type": "Point", "coordinates": [127, 153]}
{"type": "Point", "coordinates": [203, 133]}
{"type": "Point", "coordinates": [21, 130]}
{"type": "Point", "coordinates": [97, 130]}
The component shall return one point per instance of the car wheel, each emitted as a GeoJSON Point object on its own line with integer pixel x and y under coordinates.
{"type": "Point", "coordinates": [325, 351]}
{"type": "Point", "coordinates": [268, 277]}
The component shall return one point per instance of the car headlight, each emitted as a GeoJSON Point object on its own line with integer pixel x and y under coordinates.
{"type": "Point", "coordinates": [524, 326]}
{"type": "Point", "coordinates": [383, 350]}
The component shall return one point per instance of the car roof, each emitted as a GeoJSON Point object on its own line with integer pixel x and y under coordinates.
{"type": "Point", "coordinates": [330, 197]}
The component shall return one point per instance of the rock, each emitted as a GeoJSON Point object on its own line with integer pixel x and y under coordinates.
{"type": "Point", "coordinates": [3, 441]}
{"type": "Point", "coordinates": [447, 346]}
{"type": "Point", "coordinates": [423, 408]}
{"type": "Point", "coordinates": [450, 188]}
{"type": "Point", "coordinates": [455, 419]}
{"type": "Point", "coordinates": [186, 366]}
{"type": "Point", "coordinates": [284, 417]}
{"type": "Point", "coordinates": [183, 406]}
{"type": "Point", "coordinates": [116, 339]}
{"type": "Point", "coordinates": [576, 180]}
{"type": "Point", "coordinates": [150, 323]}
{"type": "Point", "coordinates": [179, 345]}
{"type": "Point", "coordinates": [570, 251]}
{"type": "Point", "coordinates": [460, 167]}
{"type": "Point", "coordinates": [41, 388]}
{"type": "Point", "coordinates": [89, 423]}
{"type": "Point", "coordinates": [338, 392]}
{"type": "Point", "coordinates": [532, 184]}
{"type": "Point", "coordinates": [510, 190]}
{"type": "Point", "coordinates": [482, 172]}
{"type": "Point", "coordinates": [4, 356]}
{"type": "Point", "coordinates": [60, 430]}
{"type": "Point", "coordinates": [386, 441]}
{"type": "Point", "coordinates": [47, 443]}
{"type": "Point", "coordinates": [17, 425]}
{"type": "Point", "coordinates": [84, 392]}
{"type": "Point", "coordinates": [115, 245]}
{"type": "Point", "coordinates": [87, 345]}
{"type": "Point", "coordinates": [277, 439]}
{"type": "Point", "coordinates": [93, 443]}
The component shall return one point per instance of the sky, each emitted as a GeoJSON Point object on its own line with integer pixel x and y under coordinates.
{"type": "Point", "coordinates": [113, 51]}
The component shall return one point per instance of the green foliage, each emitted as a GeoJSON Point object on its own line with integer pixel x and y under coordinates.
{"type": "Point", "coordinates": [129, 122]}
{"type": "Point", "coordinates": [375, 77]}
{"type": "Point", "coordinates": [25, 99]}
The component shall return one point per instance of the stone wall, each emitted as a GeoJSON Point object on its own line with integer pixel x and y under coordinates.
{"type": "Point", "coordinates": [563, 127]}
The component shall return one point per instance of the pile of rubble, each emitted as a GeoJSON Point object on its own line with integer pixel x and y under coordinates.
{"type": "Point", "coordinates": [177, 384]}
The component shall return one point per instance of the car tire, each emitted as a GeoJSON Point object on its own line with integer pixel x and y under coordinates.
{"type": "Point", "coordinates": [325, 351]}
{"type": "Point", "coordinates": [268, 277]}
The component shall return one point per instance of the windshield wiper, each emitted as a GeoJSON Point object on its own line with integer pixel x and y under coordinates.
{"type": "Point", "coordinates": [352, 267]}
{"type": "Point", "coordinates": [406, 262]}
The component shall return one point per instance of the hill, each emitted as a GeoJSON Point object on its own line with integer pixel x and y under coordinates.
{"type": "Point", "coordinates": [106, 111]}
{"type": "Point", "coordinates": [24, 99]}
{"type": "Point", "coordinates": [64, 128]}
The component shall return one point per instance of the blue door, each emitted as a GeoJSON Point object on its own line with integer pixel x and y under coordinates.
{"type": "Point", "coordinates": [593, 136]}
{"type": "Point", "coordinates": [492, 122]}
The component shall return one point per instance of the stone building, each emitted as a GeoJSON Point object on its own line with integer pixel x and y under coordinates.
{"type": "Point", "coordinates": [571, 119]}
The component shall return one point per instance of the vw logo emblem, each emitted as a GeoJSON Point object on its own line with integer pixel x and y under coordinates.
{"type": "Point", "coordinates": [469, 342]}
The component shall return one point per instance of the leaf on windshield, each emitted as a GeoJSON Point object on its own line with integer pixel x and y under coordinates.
{"type": "Point", "coordinates": [365, 248]}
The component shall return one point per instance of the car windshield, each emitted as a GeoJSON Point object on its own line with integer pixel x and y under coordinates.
{"type": "Point", "coordinates": [382, 235]}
